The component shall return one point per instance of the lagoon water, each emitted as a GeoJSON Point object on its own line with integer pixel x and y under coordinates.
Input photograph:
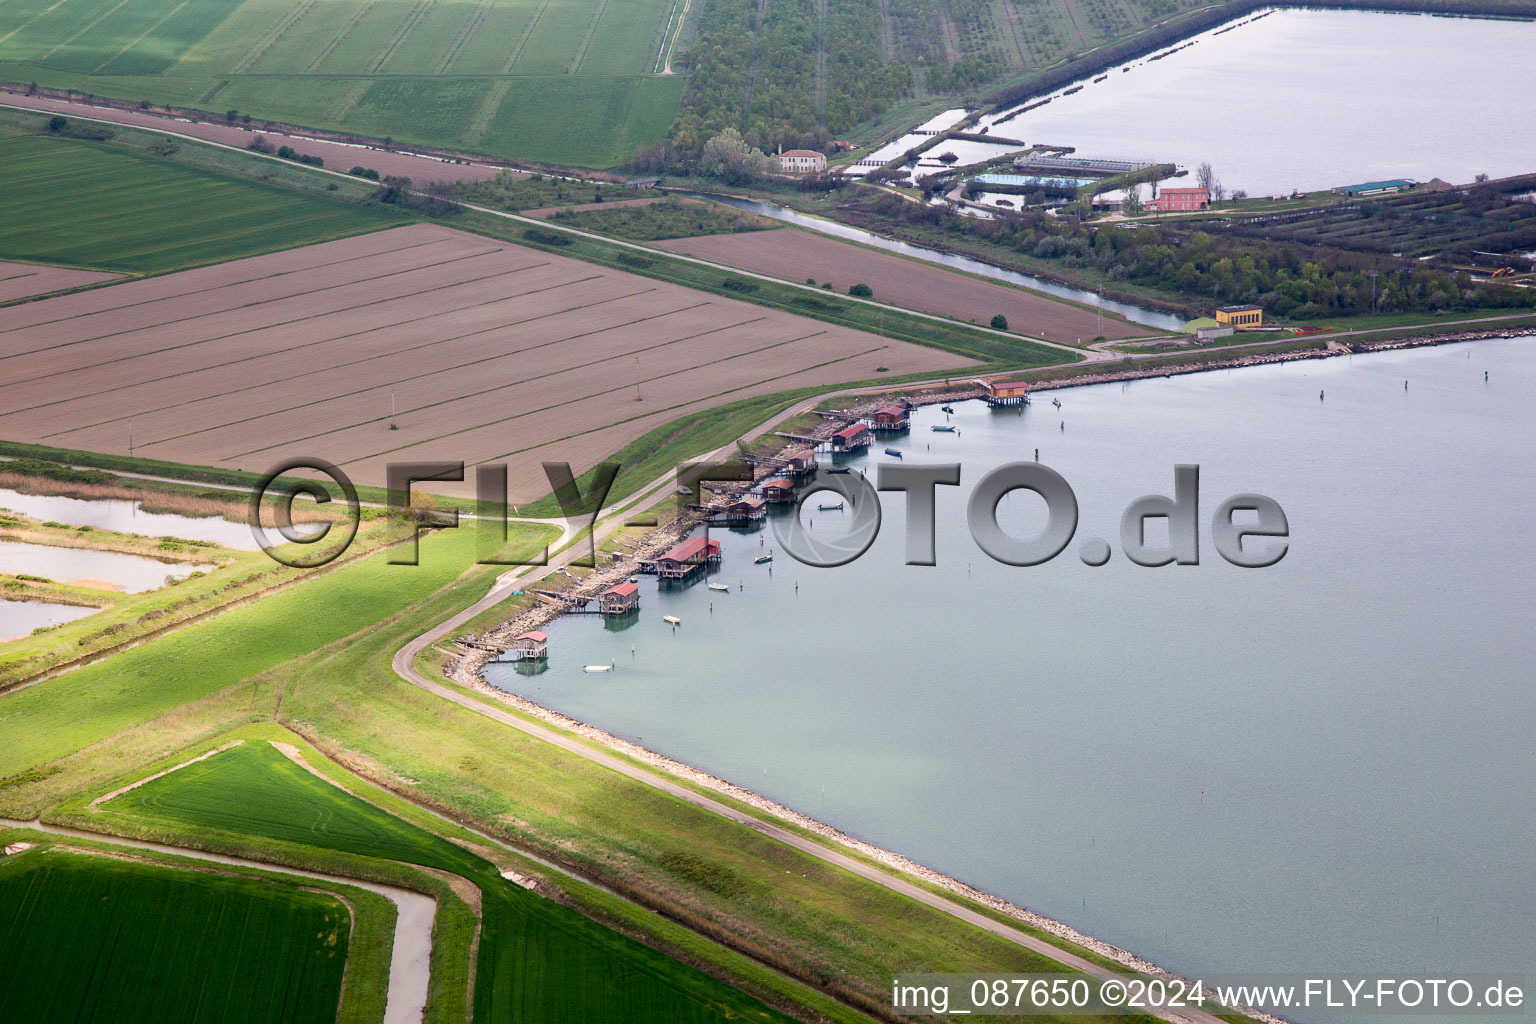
{"type": "Point", "coordinates": [130, 573]}
{"type": "Point", "coordinates": [1324, 765]}
{"type": "Point", "coordinates": [1311, 99]}
{"type": "Point", "coordinates": [126, 517]}
{"type": "Point", "coordinates": [18, 618]}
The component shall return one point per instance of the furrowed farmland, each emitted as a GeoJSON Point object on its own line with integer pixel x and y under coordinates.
{"type": "Point", "coordinates": [553, 80]}
{"type": "Point", "coordinates": [91, 937]}
{"type": "Point", "coordinates": [791, 254]}
{"type": "Point", "coordinates": [416, 343]}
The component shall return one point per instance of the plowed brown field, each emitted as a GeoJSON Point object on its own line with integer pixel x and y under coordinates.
{"type": "Point", "coordinates": [491, 352]}
{"type": "Point", "coordinates": [18, 280]}
{"type": "Point", "coordinates": [796, 255]}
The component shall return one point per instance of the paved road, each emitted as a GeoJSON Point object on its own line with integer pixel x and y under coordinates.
{"type": "Point", "coordinates": [411, 959]}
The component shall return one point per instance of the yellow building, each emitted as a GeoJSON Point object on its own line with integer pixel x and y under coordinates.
{"type": "Point", "coordinates": [1240, 318]}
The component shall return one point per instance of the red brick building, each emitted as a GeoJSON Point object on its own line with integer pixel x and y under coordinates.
{"type": "Point", "coordinates": [1180, 200]}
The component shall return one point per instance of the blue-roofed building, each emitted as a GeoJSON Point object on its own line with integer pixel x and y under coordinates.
{"type": "Point", "coordinates": [1032, 181]}
{"type": "Point", "coordinates": [1375, 188]}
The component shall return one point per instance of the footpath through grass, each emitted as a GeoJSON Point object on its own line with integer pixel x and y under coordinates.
{"type": "Point", "coordinates": [538, 960]}
{"type": "Point", "coordinates": [85, 937]}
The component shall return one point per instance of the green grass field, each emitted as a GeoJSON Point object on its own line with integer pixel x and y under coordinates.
{"type": "Point", "coordinates": [87, 937]}
{"type": "Point", "coordinates": [84, 707]}
{"type": "Point", "coordinates": [537, 960]}
{"type": "Point", "coordinates": [560, 81]}
{"type": "Point", "coordinates": [93, 204]}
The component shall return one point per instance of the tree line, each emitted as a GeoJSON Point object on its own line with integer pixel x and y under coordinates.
{"type": "Point", "coordinates": [1195, 269]}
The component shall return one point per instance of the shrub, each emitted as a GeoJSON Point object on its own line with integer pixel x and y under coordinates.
{"type": "Point", "coordinates": [999, 322]}
{"type": "Point", "coordinates": [543, 237]}
{"type": "Point", "coordinates": [861, 291]}
{"type": "Point", "coordinates": [260, 145]}
{"type": "Point", "coordinates": [364, 172]}
{"type": "Point", "coordinates": [736, 284]}
{"type": "Point", "coordinates": [629, 259]}
{"type": "Point", "coordinates": [163, 147]}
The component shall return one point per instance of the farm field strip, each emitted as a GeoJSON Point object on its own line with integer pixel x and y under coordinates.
{"type": "Point", "coordinates": [594, 396]}
{"type": "Point", "coordinates": [795, 255]}
{"type": "Point", "coordinates": [352, 348]}
{"type": "Point", "coordinates": [337, 155]}
{"type": "Point", "coordinates": [161, 943]}
{"type": "Point", "coordinates": [594, 381]}
{"type": "Point", "coordinates": [488, 347]}
{"type": "Point", "coordinates": [431, 71]}
{"type": "Point", "coordinates": [409, 976]}
{"type": "Point", "coordinates": [252, 311]}
{"type": "Point", "coordinates": [79, 203]}
{"type": "Point", "coordinates": [537, 959]}
{"type": "Point", "coordinates": [19, 280]}
{"type": "Point", "coordinates": [373, 376]}
{"type": "Point", "coordinates": [376, 371]}
{"type": "Point", "coordinates": [210, 279]}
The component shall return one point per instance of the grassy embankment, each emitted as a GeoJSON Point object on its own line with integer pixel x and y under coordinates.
{"type": "Point", "coordinates": [156, 943]}
{"type": "Point", "coordinates": [673, 217]}
{"type": "Point", "coordinates": [819, 924]}
{"type": "Point", "coordinates": [79, 725]}
{"type": "Point", "coordinates": [237, 576]}
{"type": "Point", "coordinates": [536, 959]}
{"type": "Point", "coordinates": [823, 926]}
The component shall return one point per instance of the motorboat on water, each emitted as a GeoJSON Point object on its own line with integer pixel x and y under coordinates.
{"type": "Point", "coordinates": [830, 508]}
{"type": "Point", "coordinates": [896, 452]}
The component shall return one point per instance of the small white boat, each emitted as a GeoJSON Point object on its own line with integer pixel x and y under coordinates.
{"type": "Point", "coordinates": [672, 619]}
{"type": "Point", "coordinates": [943, 430]}
{"type": "Point", "coordinates": [599, 668]}
{"type": "Point", "coordinates": [762, 559]}
{"type": "Point", "coordinates": [720, 586]}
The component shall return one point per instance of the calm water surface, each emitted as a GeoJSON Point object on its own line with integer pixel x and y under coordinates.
{"type": "Point", "coordinates": [1322, 765]}
{"type": "Point", "coordinates": [130, 573]}
{"type": "Point", "coordinates": [1312, 99]}
{"type": "Point", "coordinates": [18, 618]}
{"type": "Point", "coordinates": [126, 517]}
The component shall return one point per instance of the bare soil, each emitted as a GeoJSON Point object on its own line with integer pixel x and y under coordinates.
{"type": "Point", "coordinates": [796, 255]}
{"type": "Point", "coordinates": [474, 349]}
{"type": "Point", "coordinates": [18, 280]}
